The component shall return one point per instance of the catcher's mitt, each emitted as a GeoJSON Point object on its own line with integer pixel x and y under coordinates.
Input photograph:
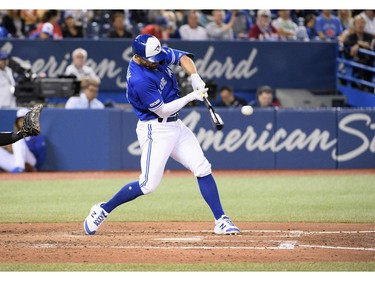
{"type": "Point", "coordinates": [31, 124]}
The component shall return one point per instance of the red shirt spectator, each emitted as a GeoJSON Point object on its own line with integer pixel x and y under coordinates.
{"type": "Point", "coordinates": [161, 29]}
{"type": "Point", "coordinates": [51, 16]}
{"type": "Point", "coordinates": [263, 30]}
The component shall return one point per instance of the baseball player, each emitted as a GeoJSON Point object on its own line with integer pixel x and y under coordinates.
{"type": "Point", "coordinates": [153, 92]}
{"type": "Point", "coordinates": [30, 127]}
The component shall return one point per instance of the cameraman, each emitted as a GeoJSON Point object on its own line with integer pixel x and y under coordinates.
{"type": "Point", "coordinates": [7, 83]}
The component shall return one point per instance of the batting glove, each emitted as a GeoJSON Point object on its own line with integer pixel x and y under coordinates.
{"type": "Point", "coordinates": [196, 82]}
{"type": "Point", "coordinates": [198, 94]}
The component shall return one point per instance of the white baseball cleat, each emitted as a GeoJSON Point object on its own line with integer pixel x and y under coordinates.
{"type": "Point", "coordinates": [95, 218]}
{"type": "Point", "coordinates": [225, 226]}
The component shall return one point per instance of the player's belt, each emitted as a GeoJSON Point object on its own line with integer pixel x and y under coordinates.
{"type": "Point", "coordinates": [169, 119]}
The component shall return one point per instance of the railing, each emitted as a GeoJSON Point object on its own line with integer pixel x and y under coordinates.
{"type": "Point", "coordinates": [346, 66]}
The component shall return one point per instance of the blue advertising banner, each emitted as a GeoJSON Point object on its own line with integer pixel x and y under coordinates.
{"type": "Point", "coordinates": [356, 134]}
{"type": "Point", "coordinates": [312, 136]}
{"type": "Point", "coordinates": [244, 65]}
{"type": "Point", "coordinates": [79, 140]}
{"type": "Point", "coordinates": [269, 139]}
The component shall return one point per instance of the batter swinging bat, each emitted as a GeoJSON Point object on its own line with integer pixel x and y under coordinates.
{"type": "Point", "coordinates": [217, 122]}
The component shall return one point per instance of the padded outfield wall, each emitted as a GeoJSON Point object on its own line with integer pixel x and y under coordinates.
{"type": "Point", "coordinates": [269, 139]}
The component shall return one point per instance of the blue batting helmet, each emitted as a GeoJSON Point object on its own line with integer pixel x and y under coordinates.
{"type": "Point", "coordinates": [149, 48]}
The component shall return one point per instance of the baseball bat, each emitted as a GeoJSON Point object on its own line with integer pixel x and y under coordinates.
{"type": "Point", "coordinates": [216, 120]}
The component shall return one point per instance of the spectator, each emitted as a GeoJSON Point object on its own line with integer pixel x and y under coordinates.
{"type": "Point", "coordinates": [359, 39]}
{"type": "Point", "coordinates": [264, 97]}
{"type": "Point", "coordinates": [219, 30]}
{"type": "Point", "coordinates": [14, 23]}
{"type": "Point", "coordinates": [228, 99]}
{"type": "Point", "coordinates": [192, 30]}
{"type": "Point", "coordinates": [345, 17]}
{"type": "Point", "coordinates": [295, 15]}
{"type": "Point", "coordinates": [78, 67]}
{"type": "Point", "coordinates": [171, 17]}
{"type": "Point", "coordinates": [53, 17]}
{"type": "Point", "coordinates": [70, 28]}
{"type": "Point", "coordinates": [310, 21]}
{"type": "Point", "coordinates": [27, 154]}
{"type": "Point", "coordinates": [328, 26]}
{"type": "Point", "coordinates": [45, 33]}
{"type": "Point", "coordinates": [285, 27]}
{"type": "Point", "coordinates": [7, 83]}
{"type": "Point", "coordinates": [88, 96]}
{"type": "Point", "coordinates": [160, 29]}
{"type": "Point", "coordinates": [31, 19]}
{"type": "Point", "coordinates": [242, 23]}
{"type": "Point", "coordinates": [118, 29]}
{"type": "Point", "coordinates": [263, 29]}
{"type": "Point", "coordinates": [369, 16]}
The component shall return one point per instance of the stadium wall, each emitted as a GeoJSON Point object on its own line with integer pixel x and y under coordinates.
{"type": "Point", "coordinates": [334, 138]}
{"type": "Point", "coordinates": [244, 65]}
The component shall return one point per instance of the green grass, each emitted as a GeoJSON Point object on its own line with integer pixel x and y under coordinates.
{"type": "Point", "coordinates": [258, 198]}
{"type": "Point", "coordinates": [282, 198]}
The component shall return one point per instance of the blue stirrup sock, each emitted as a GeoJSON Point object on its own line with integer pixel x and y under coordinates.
{"type": "Point", "coordinates": [208, 188]}
{"type": "Point", "coordinates": [128, 193]}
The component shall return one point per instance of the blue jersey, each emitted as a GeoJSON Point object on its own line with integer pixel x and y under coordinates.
{"type": "Point", "coordinates": [330, 28]}
{"type": "Point", "coordinates": [148, 89]}
{"type": "Point", "coordinates": [37, 146]}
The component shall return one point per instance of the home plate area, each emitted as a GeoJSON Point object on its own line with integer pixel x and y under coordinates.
{"type": "Point", "coordinates": [186, 242]}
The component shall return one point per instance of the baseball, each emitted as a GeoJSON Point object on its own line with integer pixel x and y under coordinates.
{"type": "Point", "coordinates": [247, 110]}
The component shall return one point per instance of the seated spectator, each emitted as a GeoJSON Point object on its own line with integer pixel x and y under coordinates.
{"type": "Point", "coordinates": [27, 154]}
{"type": "Point", "coordinates": [45, 33]}
{"type": "Point", "coordinates": [284, 25]}
{"type": "Point", "coordinates": [263, 29]}
{"type": "Point", "coordinates": [328, 26]}
{"type": "Point", "coordinates": [228, 99]}
{"type": "Point", "coordinates": [264, 97]}
{"type": "Point", "coordinates": [310, 21]}
{"type": "Point", "coordinates": [31, 19]}
{"type": "Point", "coordinates": [242, 23]}
{"type": "Point", "coordinates": [345, 17]}
{"type": "Point", "coordinates": [219, 30]}
{"type": "Point", "coordinates": [7, 83]}
{"type": "Point", "coordinates": [192, 30]}
{"type": "Point", "coordinates": [118, 29]}
{"type": "Point", "coordinates": [173, 30]}
{"type": "Point", "coordinates": [87, 99]}
{"type": "Point", "coordinates": [70, 28]}
{"type": "Point", "coordinates": [160, 29]}
{"type": "Point", "coordinates": [53, 17]}
{"type": "Point", "coordinates": [369, 16]}
{"type": "Point", "coordinates": [14, 23]}
{"type": "Point", "coordinates": [360, 39]}
{"type": "Point", "coordinates": [78, 67]}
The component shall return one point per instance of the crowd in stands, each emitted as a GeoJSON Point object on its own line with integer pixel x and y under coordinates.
{"type": "Point", "coordinates": [185, 24]}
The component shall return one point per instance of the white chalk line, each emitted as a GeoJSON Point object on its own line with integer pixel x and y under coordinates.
{"type": "Point", "coordinates": [291, 233]}
{"type": "Point", "coordinates": [337, 247]}
{"type": "Point", "coordinates": [287, 245]}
